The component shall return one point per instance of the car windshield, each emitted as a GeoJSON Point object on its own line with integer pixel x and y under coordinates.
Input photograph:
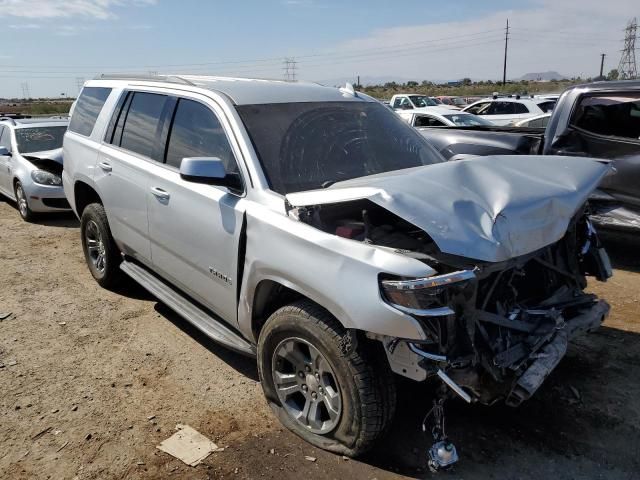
{"type": "Point", "coordinates": [468, 120]}
{"type": "Point", "coordinates": [422, 101]}
{"type": "Point", "coordinates": [305, 146]}
{"type": "Point", "coordinates": [39, 139]}
{"type": "Point", "coordinates": [458, 101]}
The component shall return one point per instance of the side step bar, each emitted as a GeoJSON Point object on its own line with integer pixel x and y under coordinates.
{"type": "Point", "coordinates": [208, 324]}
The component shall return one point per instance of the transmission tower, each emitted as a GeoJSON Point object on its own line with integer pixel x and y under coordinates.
{"type": "Point", "coordinates": [628, 69]}
{"type": "Point", "coordinates": [290, 66]}
{"type": "Point", "coordinates": [26, 94]}
{"type": "Point", "coordinates": [79, 83]}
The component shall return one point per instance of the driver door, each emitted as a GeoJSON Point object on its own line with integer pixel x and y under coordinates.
{"type": "Point", "coordinates": [5, 163]}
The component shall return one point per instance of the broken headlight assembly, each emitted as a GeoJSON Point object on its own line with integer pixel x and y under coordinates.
{"type": "Point", "coordinates": [426, 297]}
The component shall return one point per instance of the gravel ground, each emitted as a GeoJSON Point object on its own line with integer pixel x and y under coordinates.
{"type": "Point", "coordinates": [92, 380]}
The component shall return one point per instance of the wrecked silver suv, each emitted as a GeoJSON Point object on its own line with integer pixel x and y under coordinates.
{"type": "Point", "coordinates": [311, 227]}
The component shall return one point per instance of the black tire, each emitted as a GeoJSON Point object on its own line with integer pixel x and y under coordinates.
{"type": "Point", "coordinates": [365, 381]}
{"type": "Point", "coordinates": [22, 203]}
{"type": "Point", "coordinates": [106, 273]}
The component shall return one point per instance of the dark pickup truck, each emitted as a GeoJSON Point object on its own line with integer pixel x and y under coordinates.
{"type": "Point", "coordinates": [600, 120]}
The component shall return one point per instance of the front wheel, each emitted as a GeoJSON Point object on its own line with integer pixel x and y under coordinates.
{"type": "Point", "coordinates": [23, 205]}
{"type": "Point", "coordinates": [325, 387]}
{"type": "Point", "coordinates": [100, 251]}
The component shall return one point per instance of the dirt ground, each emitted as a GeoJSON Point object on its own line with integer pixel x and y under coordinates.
{"type": "Point", "coordinates": [91, 381]}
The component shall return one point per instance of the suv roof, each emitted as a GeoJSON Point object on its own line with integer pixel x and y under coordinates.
{"type": "Point", "coordinates": [242, 91]}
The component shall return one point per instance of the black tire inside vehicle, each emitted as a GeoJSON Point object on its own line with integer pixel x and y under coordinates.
{"type": "Point", "coordinates": [100, 251]}
{"type": "Point", "coordinates": [333, 391]}
{"type": "Point", "coordinates": [22, 203]}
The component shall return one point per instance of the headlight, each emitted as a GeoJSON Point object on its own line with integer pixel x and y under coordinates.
{"type": "Point", "coordinates": [43, 177]}
{"type": "Point", "coordinates": [425, 296]}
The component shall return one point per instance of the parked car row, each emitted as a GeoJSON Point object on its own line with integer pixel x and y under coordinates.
{"type": "Point", "coordinates": [314, 229]}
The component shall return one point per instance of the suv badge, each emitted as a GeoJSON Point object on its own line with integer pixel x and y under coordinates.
{"type": "Point", "coordinates": [220, 276]}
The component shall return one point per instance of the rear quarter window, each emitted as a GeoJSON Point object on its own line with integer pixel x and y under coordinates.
{"type": "Point", "coordinates": [87, 109]}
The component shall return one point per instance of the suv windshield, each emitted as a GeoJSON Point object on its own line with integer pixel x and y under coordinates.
{"type": "Point", "coordinates": [39, 139]}
{"type": "Point", "coordinates": [423, 101]}
{"type": "Point", "coordinates": [304, 146]}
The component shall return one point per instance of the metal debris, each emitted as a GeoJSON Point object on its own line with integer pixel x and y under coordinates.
{"type": "Point", "coordinates": [4, 316]}
{"type": "Point", "coordinates": [311, 459]}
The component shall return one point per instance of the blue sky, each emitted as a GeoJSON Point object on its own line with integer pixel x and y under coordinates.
{"type": "Point", "coordinates": [50, 44]}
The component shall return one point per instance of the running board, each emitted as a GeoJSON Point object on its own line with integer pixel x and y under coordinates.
{"type": "Point", "coordinates": [208, 324]}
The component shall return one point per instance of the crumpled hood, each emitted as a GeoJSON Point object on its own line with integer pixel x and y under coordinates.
{"type": "Point", "coordinates": [55, 155]}
{"type": "Point", "coordinates": [488, 208]}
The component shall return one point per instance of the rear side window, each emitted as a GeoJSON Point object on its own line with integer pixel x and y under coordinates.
{"type": "Point", "coordinates": [612, 115]}
{"type": "Point", "coordinates": [87, 109]}
{"type": "Point", "coordinates": [547, 106]}
{"type": "Point", "coordinates": [521, 108]}
{"type": "Point", "coordinates": [502, 108]}
{"type": "Point", "coordinates": [196, 132]}
{"type": "Point", "coordinates": [141, 132]}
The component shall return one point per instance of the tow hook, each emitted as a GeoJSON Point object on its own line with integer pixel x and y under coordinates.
{"type": "Point", "coordinates": [442, 453]}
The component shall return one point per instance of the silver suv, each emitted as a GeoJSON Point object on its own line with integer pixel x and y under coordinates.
{"type": "Point", "coordinates": [312, 228]}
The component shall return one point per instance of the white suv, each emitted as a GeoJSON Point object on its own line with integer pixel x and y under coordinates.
{"type": "Point", "coordinates": [313, 228]}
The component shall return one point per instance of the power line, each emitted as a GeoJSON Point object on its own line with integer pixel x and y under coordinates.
{"type": "Point", "coordinates": [627, 68]}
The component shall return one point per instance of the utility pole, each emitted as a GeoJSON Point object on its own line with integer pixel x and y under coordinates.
{"type": "Point", "coordinates": [79, 83]}
{"type": "Point", "coordinates": [602, 64]}
{"type": "Point", "coordinates": [358, 84]}
{"type": "Point", "coordinates": [25, 90]}
{"type": "Point", "coordinates": [290, 66]}
{"type": "Point", "coordinates": [627, 69]}
{"type": "Point", "coordinates": [506, 46]}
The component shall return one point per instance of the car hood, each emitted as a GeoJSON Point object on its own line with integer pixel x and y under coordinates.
{"type": "Point", "coordinates": [55, 155]}
{"type": "Point", "coordinates": [490, 208]}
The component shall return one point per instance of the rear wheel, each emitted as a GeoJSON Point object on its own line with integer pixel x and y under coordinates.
{"type": "Point", "coordinates": [321, 383]}
{"type": "Point", "coordinates": [100, 251]}
{"type": "Point", "coordinates": [23, 205]}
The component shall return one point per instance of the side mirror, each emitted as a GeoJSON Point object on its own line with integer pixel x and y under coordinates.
{"type": "Point", "coordinates": [210, 171]}
{"type": "Point", "coordinates": [4, 152]}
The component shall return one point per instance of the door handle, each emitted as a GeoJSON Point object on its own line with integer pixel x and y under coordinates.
{"type": "Point", "coordinates": [160, 193]}
{"type": "Point", "coordinates": [105, 166]}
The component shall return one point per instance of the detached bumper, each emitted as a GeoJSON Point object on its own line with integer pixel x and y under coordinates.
{"type": "Point", "coordinates": [550, 355]}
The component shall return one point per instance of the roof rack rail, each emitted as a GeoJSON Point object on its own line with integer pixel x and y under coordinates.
{"type": "Point", "coordinates": [144, 77]}
{"type": "Point", "coordinates": [8, 119]}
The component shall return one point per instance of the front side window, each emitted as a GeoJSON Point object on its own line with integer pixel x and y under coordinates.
{"type": "Point", "coordinates": [39, 139]}
{"type": "Point", "coordinates": [197, 132]}
{"type": "Point", "coordinates": [140, 131]}
{"type": "Point", "coordinates": [310, 145]}
{"type": "Point", "coordinates": [612, 115]}
{"type": "Point", "coordinates": [87, 109]}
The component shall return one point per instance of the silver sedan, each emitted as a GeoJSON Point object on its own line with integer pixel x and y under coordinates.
{"type": "Point", "coordinates": [31, 164]}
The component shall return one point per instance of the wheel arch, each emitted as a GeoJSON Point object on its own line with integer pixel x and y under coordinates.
{"type": "Point", "coordinates": [84, 194]}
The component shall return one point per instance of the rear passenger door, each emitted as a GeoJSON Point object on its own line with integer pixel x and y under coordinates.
{"type": "Point", "coordinates": [132, 145]}
{"type": "Point", "coordinates": [195, 228]}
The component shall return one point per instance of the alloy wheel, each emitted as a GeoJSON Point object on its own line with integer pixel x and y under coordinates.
{"type": "Point", "coordinates": [95, 245]}
{"type": "Point", "coordinates": [22, 201]}
{"type": "Point", "coordinates": [306, 385]}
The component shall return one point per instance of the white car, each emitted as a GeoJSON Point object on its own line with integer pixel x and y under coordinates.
{"type": "Point", "coordinates": [507, 110]}
{"type": "Point", "coordinates": [442, 117]}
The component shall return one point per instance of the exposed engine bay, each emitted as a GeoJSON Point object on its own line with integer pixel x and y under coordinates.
{"type": "Point", "coordinates": [496, 329]}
